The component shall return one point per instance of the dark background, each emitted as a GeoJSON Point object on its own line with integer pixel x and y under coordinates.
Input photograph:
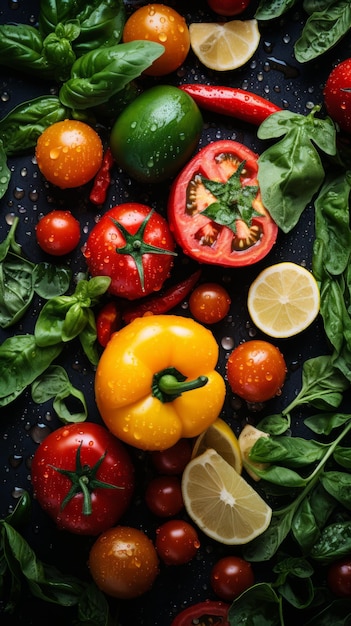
{"type": "Point", "coordinates": [274, 73]}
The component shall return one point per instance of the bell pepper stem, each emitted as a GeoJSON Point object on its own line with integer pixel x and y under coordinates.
{"type": "Point", "coordinates": [169, 384]}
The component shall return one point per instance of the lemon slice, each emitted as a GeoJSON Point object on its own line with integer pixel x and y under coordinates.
{"type": "Point", "coordinates": [221, 438]}
{"type": "Point", "coordinates": [224, 46]}
{"type": "Point", "coordinates": [283, 300]}
{"type": "Point", "coordinates": [246, 441]}
{"type": "Point", "coordinates": [221, 502]}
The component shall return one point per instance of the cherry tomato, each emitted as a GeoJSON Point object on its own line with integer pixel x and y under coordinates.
{"type": "Point", "coordinates": [173, 460]}
{"type": "Point", "coordinates": [230, 576]}
{"type": "Point", "coordinates": [163, 496]}
{"type": "Point", "coordinates": [58, 233]}
{"type": "Point", "coordinates": [256, 371]}
{"type": "Point", "coordinates": [209, 303]}
{"type": "Point", "coordinates": [69, 153]}
{"type": "Point", "coordinates": [123, 562]}
{"type": "Point", "coordinates": [339, 578]}
{"type": "Point", "coordinates": [132, 244]}
{"type": "Point", "coordinates": [228, 7]}
{"type": "Point", "coordinates": [85, 453]}
{"type": "Point", "coordinates": [162, 24]}
{"type": "Point", "coordinates": [177, 542]}
{"type": "Point", "coordinates": [207, 612]}
{"type": "Point", "coordinates": [337, 95]}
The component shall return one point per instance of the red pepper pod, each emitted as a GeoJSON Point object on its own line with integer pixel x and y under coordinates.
{"type": "Point", "coordinates": [108, 321]}
{"type": "Point", "coordinates": [239, 103]}
{"type": "Point", "coordinates": [102, 179]}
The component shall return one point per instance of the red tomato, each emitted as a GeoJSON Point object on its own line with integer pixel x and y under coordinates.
{"type": "Point", "coordinates": [173, 460]}
{"type": "Point", "coordinates": [133, 245]}
{"type": "Point", "coordinates": [230, 576]}
{"type": "Point", "coordinates": [163, 496]}
{"type": "Point", "coordinates": [209, 303]}
{"type": "Point", "coordinates": [256, 371]}
{"type": "Point", "coordinates": [177, 542]}
{"type": "Point", "coordinates": [213, 231]}
{"type": "Point", "coordinates": [123, 562]}
{"type": "Point", "coordinates": [87, 453]}
{"type": "Point", "coordinates": [162, 24]}
{"type": "Point", "coordinates": [228, 7]}
{"type": "Point", "coordinates": [208, 612]}
{"type": "Point", "coordinates": [339, 578]}
{"type": "Point", "coordinates": [69, 153]}
{"type": "Point", "coordinates": [58, 233]}
{"type": "Point", "coordinates": [337, 95]}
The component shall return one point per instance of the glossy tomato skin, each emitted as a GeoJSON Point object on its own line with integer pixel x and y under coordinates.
{"type": "Point", "coordinates": [69, 153]}
{"type": "Point", "coordinates": [209, 303]}
{"type": "Point", "coordinates": [105, 237]}
{"type": "Point", "coordinates": [164, 25]}
{"type": "Point", "coordinates": [256, 370]}
{"type": "Point", "coordinates": [58, 233]}
{"type": "Point", "coordinates": [59, 450]}
{"type": "Point", "coordinates": [173, 460]}
{"type": "Point", "coordinates": [198, 235]}
{"type": "Point", "coordinates": [228, 8]}
{"type": "Point", "coordinates": [205, 612]}
{"type": "Point", "coordinates": [230, 576]}
{"type": "Point", "coordinates": [163, 496]}
{"type": "Point", "coordinates": [337, 95]}
{"type": "Point", "coordinates": [156, 134]}
{"type": "Point", "coordinates": [177, 542]}
{"type": "Point", "coordinates": [339, 578]}
{"type": "Point", "coordinates": [123, 562]}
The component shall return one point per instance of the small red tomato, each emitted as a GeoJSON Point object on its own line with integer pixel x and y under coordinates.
{"type": "Point", "coordinates": [58, 233]}
{"type": "Point", "coordinates": [337, 95]}
{"type": "Point", "coordinates": [256, 371]}
{"type": "Point", "coordinates": [230, 576]}
{"type": "Point", "coordinates": [177, 542]}
{"type": "Point", "coordinates": [339, 578]}
{"type": "Point", "coordinates": [209, 303]}
{"type": "Point", "coordinates": [173, 460]}
{"type": "Point", "coordinates": [228, 7]}
{"type": "Point", "coordinates": [163, 496]}
{"type": "Point", "coordinates": [207, 612]}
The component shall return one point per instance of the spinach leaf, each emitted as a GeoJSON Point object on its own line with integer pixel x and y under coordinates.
{"type": "Point", "coordinates": [294, 582]}
{"type": "Point", "coordinates": [342, 456]}
{"type": "Point", "coordinates": [324, 423]}
{"type": "Point", "coordinates": [270, 9]}
{"type": "Point", "coordinates": [323, 30]}
{"type": "Point", "coordinates": [244, 608]}
{"type": "Point", "coordinates": [54, 383]}
{"type": "Point", "coordinates": [337, 484]}
{"type": "Point", "coordinates": [99, 74]}
{"type": "Point", "coordinates": [51, 280]}
{"type": "Point", "coordinates": [5, 173]}
{"type": "Point", "coordinates": [291, 171]}
{"type": "Point", "coordinates": [334, 543]}
{"type": "Point", "coordinates": [310, 517]}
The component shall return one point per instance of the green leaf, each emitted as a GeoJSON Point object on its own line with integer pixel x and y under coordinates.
{"type": "Point", "coordinates": [338, 485]}
{"type": "Point", "coordinates": [50, 280]}
{"type": "Point", "coordinates": [54, 383]}
{"type": "Point", "coordinates": [244, 609]}
{"type": "Point", "coordinates": [21, 49]}
{"type": "Point", "coordinates": [323, 30]}
{"type": "Point", "coordinates": [16, 289]}
{"type": "Point", "coordinates": [5, 173]}
{"type": "Point", "coordinates": [333, 544]}
{"type": "Point", "coordinates": [271, 9]}
{"type": "Point", "coordinates": [324, 423]}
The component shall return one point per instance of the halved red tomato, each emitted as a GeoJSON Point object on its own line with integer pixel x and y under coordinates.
{"type": "Point", "coordinates": [207, 613]}
{"type": "Point", "coordinates": [215, 209]}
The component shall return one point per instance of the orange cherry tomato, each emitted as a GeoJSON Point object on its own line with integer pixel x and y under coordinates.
{"type": "Point", "coordinates": [209, 303]}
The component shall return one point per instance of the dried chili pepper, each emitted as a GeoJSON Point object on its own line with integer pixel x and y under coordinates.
{"type": "Point", "coordinates": [239, 103]}
{"type": "Point", "coordinates": [102, 179]}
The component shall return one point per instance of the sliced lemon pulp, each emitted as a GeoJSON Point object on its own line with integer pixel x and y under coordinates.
{"type": "Point", "coordinates": [224, 46]}
{"type": "Point", "coordinates": [221, 438]}
{"type": "Point", "coordinates": [221, 502]}
{"type": "Point", "coordinates": [246, 441]}
{"type": "Point", "coordinates": [283, 300]}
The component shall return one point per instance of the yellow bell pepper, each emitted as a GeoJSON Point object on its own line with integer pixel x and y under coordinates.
{"type": "Point", "coordinates": [156, 381]}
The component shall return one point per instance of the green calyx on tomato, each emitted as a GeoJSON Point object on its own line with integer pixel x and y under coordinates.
{"type": "Point", "coordinates": [136, 247]}
{"type": "Point", "coordinates": [215, 209]}
{"type": "Point", "coordinates": [156, 134]}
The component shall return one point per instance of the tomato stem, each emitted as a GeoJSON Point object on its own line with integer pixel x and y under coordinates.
{"type": "Point", "coordinates": [169, 384]}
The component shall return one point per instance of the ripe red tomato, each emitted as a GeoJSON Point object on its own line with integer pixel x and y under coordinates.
{"type": "Point", "coordinates": [209, 303]}
{"type": "Point", "coordinates": [337, 95]}
{"type": "Point", "coordinates": [173, 460]}
{"type": "Point", "coordinates": [230, 576]}
{"type": "Point", "coordinates": [123, 562]}
{"type": "Point", "coordinates": [69, 153]}
{"type": "Point", "coordinates": [133, 245]}
{"type": "Point", "coordinates": [228, 7]}
{"type": "Point", "coordinates": [58, 233]}
{"type": "Point", "coordinates": [177, 542]}
{"type": "Point", "coordinates": [205, 612]}
{"type": "Point", "coordinates": [88, 453]}
{"type": "Point", "coordinates": [256, 371]}
{"type": "Point", "coordinates": [163, 496]}
{"type": "Point", "coordinates": [339, 578]}
{"type": "Point", "coordinates": [162, 24]}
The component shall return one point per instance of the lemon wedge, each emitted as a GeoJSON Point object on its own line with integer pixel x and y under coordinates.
{"type": "Point", "coordinates": [221, 438]}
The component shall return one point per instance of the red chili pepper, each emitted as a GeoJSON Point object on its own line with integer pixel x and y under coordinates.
{"type": "Point", "coordinates": [239, 103]}
{"type": "Point", "coordinates": [162, 303]}
{"type": "Point", "coordinates": [108, 321]}
{"type": "Point", "coordinates": [102, 179]}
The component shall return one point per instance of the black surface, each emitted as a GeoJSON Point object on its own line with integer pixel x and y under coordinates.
{"type": "Point", "coordinates": [274, 73]}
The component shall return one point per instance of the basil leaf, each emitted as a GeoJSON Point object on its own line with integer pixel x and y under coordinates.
{"type": "Point", "coordinates": [244, 608]}
{"type": "Point", "coordinates": [88, 337]}
{"type": "Point", "coordinates": [337, 484]}
{"type": "Point", "coordinates": [338, 613]}
{"type": "Point", "coordinates": [99, 74]}
{"type": "Point", "coordinates": [16, 289]}
{"type": "Point", "coordinates": [324, 423]}
{"type": "Point", "coordinates": [21, 49]}
{"type": "Point", "coordinates": [5, 173]}
{"type": "Point", "coordinates": [291, 451]}
{"type": "Point", "coordinates": [93, 607]}
{"type": "Point", "coordinates": [54, 383]}
{"type": "Point", "coordinates": [270, 9]}
{"type": "Point", "coordinates": [342, 456]}
{"type": "Point", "coordinates": [334, 543]}
{"type": "Point", "coordinates": [323, 30]}
{"type": "Point", "coordinates": [51, 281]}
{"type": "Point", "coordinates": [49, 324]}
